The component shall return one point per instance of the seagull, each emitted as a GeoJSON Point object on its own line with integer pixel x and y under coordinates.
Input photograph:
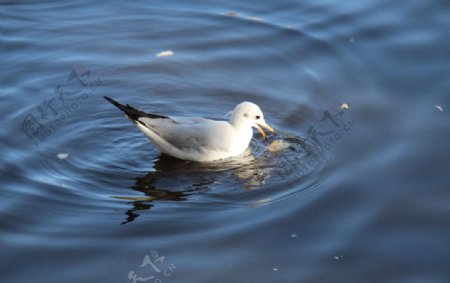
{"type": "Point", "coordinates": [196, 138]}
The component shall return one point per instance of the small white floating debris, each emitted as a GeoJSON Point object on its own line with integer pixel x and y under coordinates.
{"type": "Point", "coordinates": [351, 40]}
{"type": "Point", "coordinates": [438, 107]}
{"type": "Point", "coordinates": [344, 106]}
{"type": "Point", "coordinates": [293, 235]}
{"type": "Point", "coordinates": [275, 269]}
{"type": "Point", "coordinates": [260, 202]}
{"type": "Point", "coordinates": [256, 19]}
{"type": "Point", "coordinates": [62, 156]}
{"type": "Point", "coordinates": [164, 53]}
{"type": "Point", "coordinates": [278, 145]}
{"type": "Point", "coordinates": [337, 257]}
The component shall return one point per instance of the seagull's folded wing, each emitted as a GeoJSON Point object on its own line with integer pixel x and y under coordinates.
{"type": "Point", "coordinates": [187, 133]}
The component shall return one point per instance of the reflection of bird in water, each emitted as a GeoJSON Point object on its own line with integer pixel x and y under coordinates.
{"type": "Point", "coordinates": [176, 180]}
{"type": "Point", "coordinates": [196, 138]}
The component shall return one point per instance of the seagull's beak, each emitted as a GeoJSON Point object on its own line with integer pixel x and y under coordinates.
{"type": "Point", "coordinates": [265, 126]}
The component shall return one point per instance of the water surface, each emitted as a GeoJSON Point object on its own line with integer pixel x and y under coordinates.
{"type": "Point", "coordinates": [359, 195]}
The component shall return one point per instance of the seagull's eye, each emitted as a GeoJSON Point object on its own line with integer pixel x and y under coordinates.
{"type": "Point", "coordinates": [258, 117]}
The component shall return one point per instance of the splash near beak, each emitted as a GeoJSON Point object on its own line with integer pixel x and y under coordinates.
{"type": "Point", "coordinates": [265, 126]}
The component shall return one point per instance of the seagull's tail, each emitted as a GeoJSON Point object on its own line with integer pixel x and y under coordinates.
{"type": "Point", "coordinates": [133, 113]}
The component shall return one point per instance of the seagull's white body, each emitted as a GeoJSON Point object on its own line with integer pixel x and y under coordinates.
{"type": "Point", "coordinates": [196, 139]}
{"type": "Point", "coordinates": [199, 139]}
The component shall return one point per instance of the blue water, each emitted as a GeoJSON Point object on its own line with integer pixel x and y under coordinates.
{"type": "Point", "coordinates": [360, 195]}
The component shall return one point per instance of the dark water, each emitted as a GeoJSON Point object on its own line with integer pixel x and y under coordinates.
{"type": "Point", "coordinates": [359, 195]}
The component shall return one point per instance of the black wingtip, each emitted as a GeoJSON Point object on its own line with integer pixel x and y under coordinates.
{"type": "Point", "coordinates": [131, 112]}
{"type": "Point", "coordinates": [115, 103]}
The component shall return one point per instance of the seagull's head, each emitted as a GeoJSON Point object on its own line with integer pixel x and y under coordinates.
{"type": "Point", "coordinates": [249, 114]}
